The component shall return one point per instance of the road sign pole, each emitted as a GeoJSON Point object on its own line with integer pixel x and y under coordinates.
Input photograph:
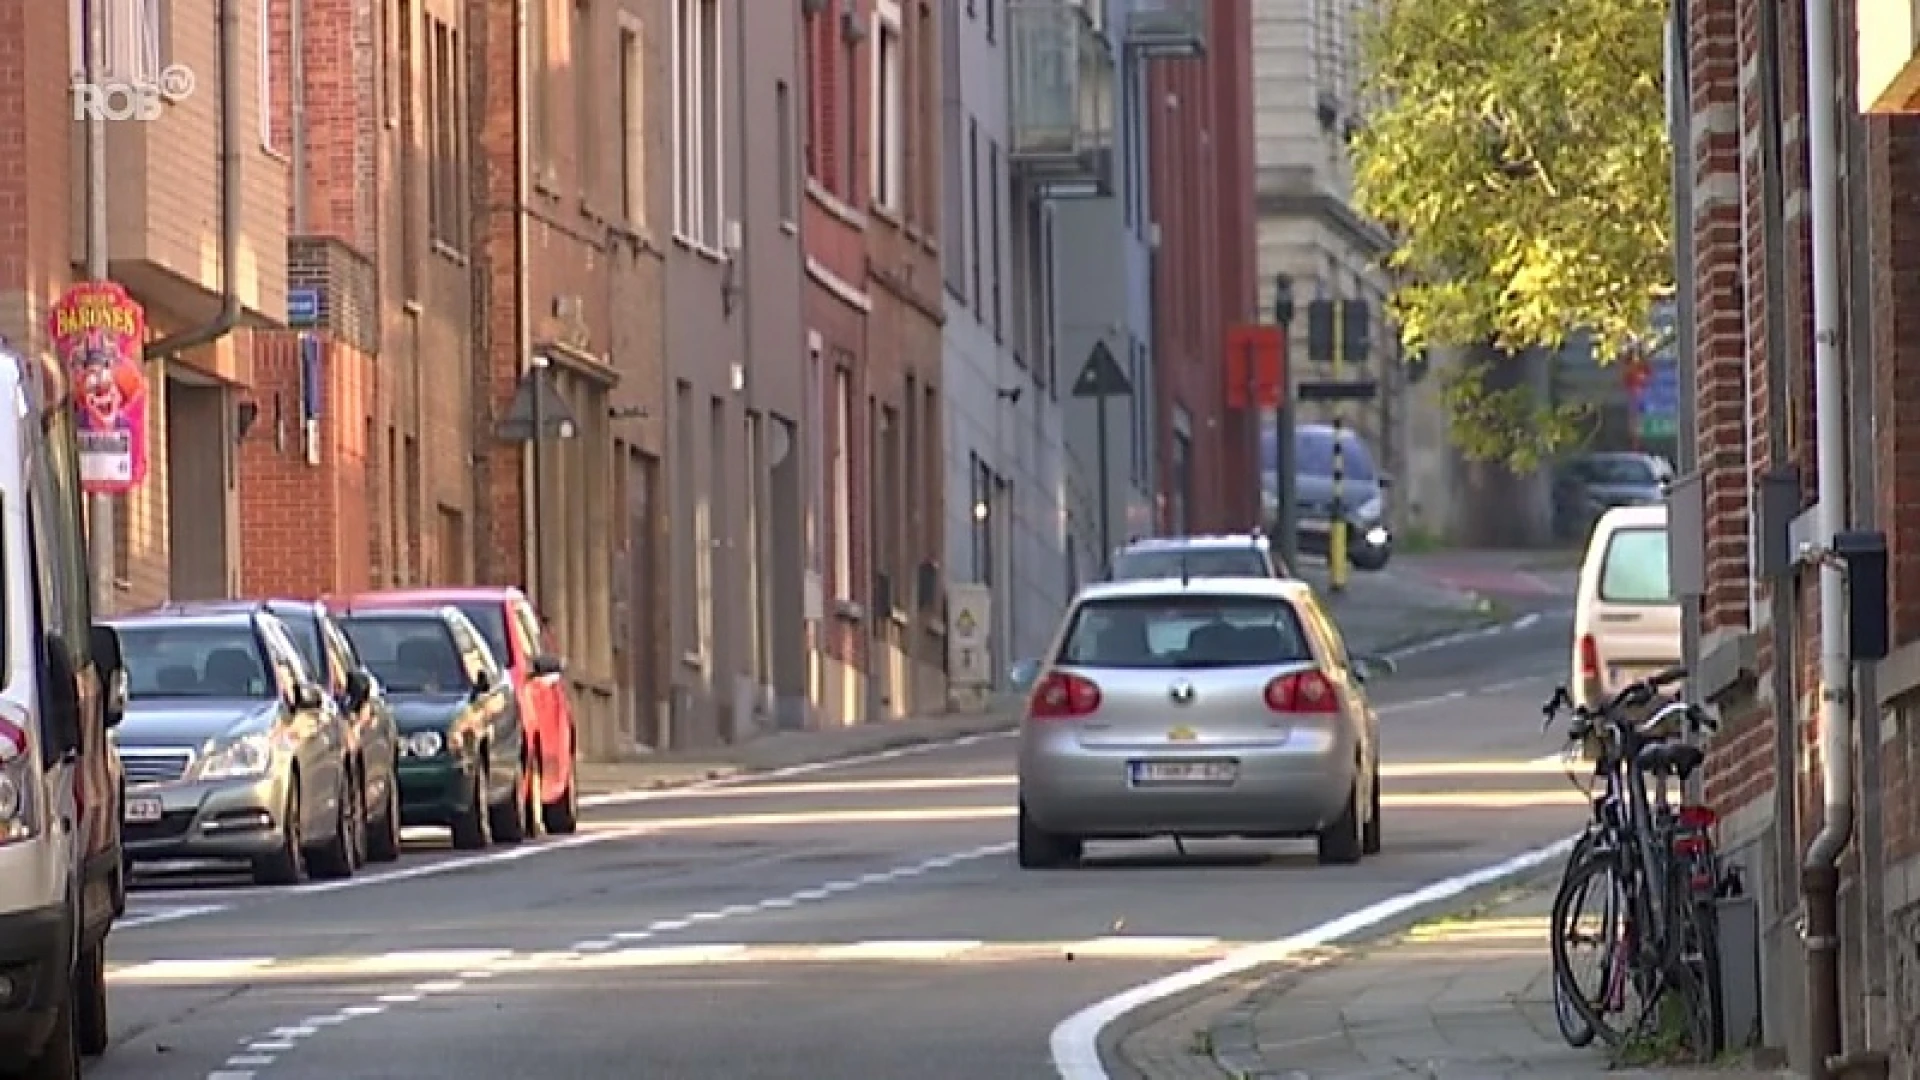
{"type": "Point", "coordinates": [1337, 515]}
{"type": "Point", "coordinates": [536, 540]}
{"type": "Point", "coordinates": [1104, 466]}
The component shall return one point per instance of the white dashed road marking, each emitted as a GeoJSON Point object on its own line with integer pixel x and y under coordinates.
{"type": "Point", "coordinates": [264, 1050]}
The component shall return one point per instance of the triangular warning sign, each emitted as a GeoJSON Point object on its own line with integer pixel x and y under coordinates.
{"type": "Point", "coordinates": [1101, 376]}
{"type": "Point", "coordinates": [556, 419]}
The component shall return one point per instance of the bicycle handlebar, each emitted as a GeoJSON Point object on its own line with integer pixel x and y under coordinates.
{"type": "Point", "coordinates": [1633, 695]}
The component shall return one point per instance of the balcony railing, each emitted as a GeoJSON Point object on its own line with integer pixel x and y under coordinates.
{"type": "Point", "coordinates": [1061, 94]}
{"type": "Point", "coordinates": [1167, 27]}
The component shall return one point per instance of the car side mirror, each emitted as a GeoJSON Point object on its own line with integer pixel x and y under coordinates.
{"type": "Point", "coordinates": [359, 688]}
{"type": "Point", "coordinates": [547, 664]}
{"type": "Point", "coordinates": [1373, 667]}
{"type": "Point", "coordinates": [307, 696]}
{"type": "Point", "coordinates": [104, 642]}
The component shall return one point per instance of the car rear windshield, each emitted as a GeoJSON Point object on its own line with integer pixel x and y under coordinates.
{"type": "Point", "coordinates": [1143, 565]}
{"type": "Point", "coordinates": [410, 654]}
{"type": "Point", "coordinates": [1635, 568]}
{"type": "Point", "coordinates": [177, 661]}
{"type": "Point", "coordinates": [1184, 632]}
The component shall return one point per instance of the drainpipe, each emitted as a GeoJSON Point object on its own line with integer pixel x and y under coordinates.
{"type": "Point", "coordinates": [297, 96]}
{"type": "Point", "coordinates": [229, 314]}
{"type": "Point", "coordinates": [1820, 871]}
{"type": "Point", "coordinates": [523, 315]}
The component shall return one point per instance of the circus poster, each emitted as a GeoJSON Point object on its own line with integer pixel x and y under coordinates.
{"type": "Point", "coordinates": [100, 333]}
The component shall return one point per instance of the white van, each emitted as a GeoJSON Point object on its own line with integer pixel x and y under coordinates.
{"type": "Point", "coordinates": [62, 879]}
{"type": "Point", "coordinates": [1626, 624]}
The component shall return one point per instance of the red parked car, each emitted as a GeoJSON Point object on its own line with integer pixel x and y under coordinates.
{"type": "Point", "coordinates": [506, 619]}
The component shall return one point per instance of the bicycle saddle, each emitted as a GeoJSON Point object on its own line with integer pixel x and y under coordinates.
{"type": "Point", "coordinates": [1679, 760]}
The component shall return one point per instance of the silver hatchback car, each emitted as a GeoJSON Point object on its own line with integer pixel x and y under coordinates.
{"type": "Point", "coordinates": [1206, 707]}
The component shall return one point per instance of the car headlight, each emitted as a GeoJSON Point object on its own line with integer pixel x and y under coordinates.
{"type": "Point", "coordinates": [237, 759]}
{"type": "Point", "coordinates": [425, 744]}
{"type": "Point", "coordinates": [19, 817]}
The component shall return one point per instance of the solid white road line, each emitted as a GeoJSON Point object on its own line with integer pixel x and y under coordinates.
{"type": "Point", "coordinates": [1075, 1043]}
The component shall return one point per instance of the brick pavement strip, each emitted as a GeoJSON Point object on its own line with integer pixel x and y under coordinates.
{"type": "Point", "coordinates": [1461, 997]}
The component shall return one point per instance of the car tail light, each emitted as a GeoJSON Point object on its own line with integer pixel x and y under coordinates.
{"type": "Point", "coordinates": [1061, 696]}
{"type": "Point", "coordinates": [13, 740]}
{"type": "Point", "coordinates": [1589, 657]}
{"type": "Point", "coordinates": [1302, 692]}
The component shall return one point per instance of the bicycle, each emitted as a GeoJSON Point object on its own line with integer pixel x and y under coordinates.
{"type": "Point", "coordinates": [1656, 871]}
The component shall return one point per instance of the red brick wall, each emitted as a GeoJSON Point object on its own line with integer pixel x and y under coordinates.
{"type": "Point", "coordinates": [37, 192]}
{"type": "Point", "coordinates": [1202, 187]}
{"type": "Point", "coordinates": [305, 528]}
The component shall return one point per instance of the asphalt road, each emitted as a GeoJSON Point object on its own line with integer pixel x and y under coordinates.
{"type": "Point", "coordinates": [864, 921]}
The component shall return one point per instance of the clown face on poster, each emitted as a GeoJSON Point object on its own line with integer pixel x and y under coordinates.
{"type": "Point", "coordinates": [99, 333]}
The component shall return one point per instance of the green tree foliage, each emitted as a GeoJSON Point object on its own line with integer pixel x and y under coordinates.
{"type": "Point", "coordinates": [1517, 150]}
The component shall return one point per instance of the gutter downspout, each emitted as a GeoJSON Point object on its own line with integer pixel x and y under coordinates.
{"type": "Point", "coordinates": [297, 100]}
{"type": "Point", "coordinates": [1820, 872]}
{"type": "Point", "coordinates": [229, 314]}
{"type": "Point", "coordinates": [523, 315]}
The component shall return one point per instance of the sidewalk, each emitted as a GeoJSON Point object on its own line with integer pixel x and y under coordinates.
{"type": "Point", "coordinates": [1466, 997]}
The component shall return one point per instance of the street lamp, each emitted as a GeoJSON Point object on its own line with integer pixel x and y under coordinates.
{"type": "Point", "coordinates": [1285, 536]}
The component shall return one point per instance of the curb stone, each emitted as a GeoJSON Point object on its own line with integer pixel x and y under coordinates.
{"type": "Point", "coordinates": [1232, 1037]}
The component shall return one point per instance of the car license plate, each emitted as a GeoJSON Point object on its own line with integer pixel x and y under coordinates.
{"type": "Point", "coordinates": [1149, 773]}
{"type": "Point", "coordinates": [143, 811]}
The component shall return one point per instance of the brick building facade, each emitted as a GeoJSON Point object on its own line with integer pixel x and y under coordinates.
{"type": "Point", "coordinates": [1747, 199]}
{"type": "Point", "coordinates": [1201, 132]}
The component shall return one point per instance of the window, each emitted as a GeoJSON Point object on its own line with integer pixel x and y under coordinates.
{"type": "Point", "coordinates": [135, 31]}
{"type": "Point", "coordinates": [633, 125]}
{"type": "Point", "coordinates": [586, 94]}
{"type": "Point", "coordinates": [185, 661]}
{"type": "Point", "coordinates": [923, 165]}
{"type": "Point", "coordinates": [973, 211]}
{"type": "Point", "coordinates": [391, 14]}
{"type": "Point", "coordinates": [489, 618]}
{"type": "Point", "coordinates": [540, 87]}
{"type": "Point", "coordinates": [1185, 631]}
{"type": "Point", "coordinates": [697, 126]}
{"type": "Point", "coordinates": [890, 522]}
{"type": "Point", "coordinates": [446, 190]}
{"type": "Point", "coordinates": [849, 151]}
{"type": "Point", "coordinates": [1147, 563]}
{"type": "Point", "coordinates": [993, 235]}
{"type": "Point", "coordinates": [842, 493]}
{"type": "Point", "coordinates": [411, 653]}
{"type": "Point", "coordinates": [267, 103]}
{"type": "Point", "coordinates": [789, 178]}
{"type": "Point", "coordinates": [686, 589]}
{"type": "Point", "coordinates": [1634, 570]}
{"type": "Point", "coordinates": [888, 102]}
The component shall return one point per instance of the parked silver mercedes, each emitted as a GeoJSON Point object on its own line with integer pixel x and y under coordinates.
{"type": "Point", "coordinates": [1207, 707]}
{"type": "Point", "coordinates": [232, 752]}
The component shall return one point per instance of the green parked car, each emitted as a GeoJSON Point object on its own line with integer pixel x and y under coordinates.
{"type": "Point", "coordinates": [462, 748]}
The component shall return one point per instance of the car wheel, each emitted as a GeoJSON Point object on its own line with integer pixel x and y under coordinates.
{"type": "Point", "coordinates": [1369, 558]}
{"type": "Point", "coordinates": [334, 859]}
{"type": "Point", "coordinates": [562, 816]}
{"type": "Point", "coordinates": [510, 817]}
{"type": "Point", "coordinates": [472, 829]}
{"type": "Point", "coordinates": [1042, 850]}
{"type": "Point", "coordinates": [91, 1029]}
{"type": "Point", "coordinates": [287, 866]}
{"type": "Point", "coordinates": [383, 841]}
{"type": "Point", "coordinates": [1370, 837]}
{"type": "Point", "coordinates": [1341, 842]}
{"type": "Point", "coordinates": [59, 1059]}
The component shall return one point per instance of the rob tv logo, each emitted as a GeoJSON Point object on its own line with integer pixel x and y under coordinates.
{"type": "Point", "coordinates": [131, 99]}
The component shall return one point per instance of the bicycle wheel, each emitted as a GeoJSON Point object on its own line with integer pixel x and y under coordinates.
{"type": "Point", "coordinates": [1589, 915]}
{"type": "Point", "coordinates": [1693, 980]}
